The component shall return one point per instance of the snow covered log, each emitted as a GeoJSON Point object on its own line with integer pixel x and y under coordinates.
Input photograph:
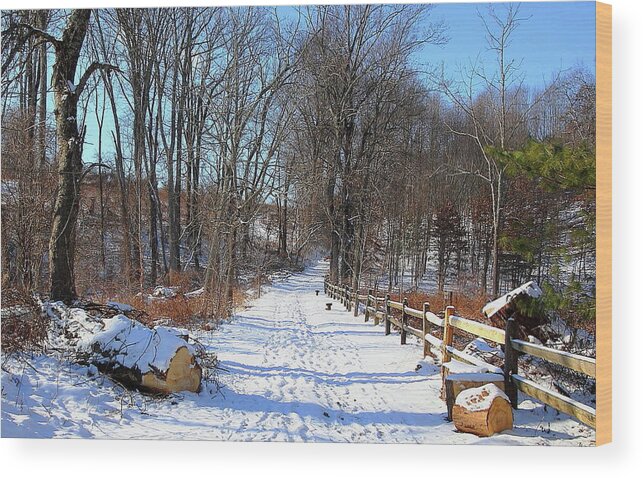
{"type": "Point", "coordinates": [157, 360]}
{"type": "Point", "coordinates": [456, 383]}
{"type": "Point", "coordinates": [482, 411]}
{"type": "Point", "coordinates": [502, 305]}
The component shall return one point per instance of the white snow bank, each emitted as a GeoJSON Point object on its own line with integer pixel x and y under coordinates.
{"type": "Point", "coordinates": [530, 288]}
{"type": "Point", "coordinates": [291, 371]}
{"type": "Point", "coordinates": [481, 398]}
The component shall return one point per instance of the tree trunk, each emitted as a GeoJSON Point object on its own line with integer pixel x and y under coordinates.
{"type": "Point", "coordinates": [175, 205]}
{"type": "Point", "coordinates": [283, 223]}
{"type": "Point", "coordinates": [126, 246]}
{"type": "Point", "coordinates": [334, 234]}
{"type": "Point", "coordinates": [42, 108]}
{"type": "Point", "coordinates": [70, 143]}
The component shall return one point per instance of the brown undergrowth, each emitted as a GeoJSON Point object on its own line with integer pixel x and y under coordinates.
{"type": "Point", "coordinates": [179, 310]}
{"type": "Point", "coordinates": [24, 326]}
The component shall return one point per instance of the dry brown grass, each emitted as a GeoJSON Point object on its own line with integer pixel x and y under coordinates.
{"type": "Point", "coordinates": [184, 280]}
{"type": "Point", "coordinates": [202, 311]}
{"type": "Point", "coordinates": [469, 306]}
{"type": "Point", "coordinates": [24, 326]}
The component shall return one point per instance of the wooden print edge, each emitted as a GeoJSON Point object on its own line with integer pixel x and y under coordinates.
{"type": "Point", "coordinates": [603, 223]}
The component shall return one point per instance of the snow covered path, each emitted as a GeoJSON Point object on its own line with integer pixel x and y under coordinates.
{"type": "Point", "coordinates": [292, 372]}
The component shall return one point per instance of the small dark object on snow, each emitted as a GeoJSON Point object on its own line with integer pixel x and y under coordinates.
{"type": "Point", "coordinates": [329, 305]}
{"type": "Point", "coordinates": [418, 367]}
{"type": "Point", "coordinates": [326, 414]}
{"type": "Point", "coordinates": [316, 292]}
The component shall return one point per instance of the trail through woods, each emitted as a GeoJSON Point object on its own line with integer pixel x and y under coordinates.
{"type": "Point", "coordinates": [292, 371]}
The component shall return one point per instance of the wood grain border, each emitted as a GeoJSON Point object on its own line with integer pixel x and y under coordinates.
{"type": "Point", "coordinates": [603, 223]}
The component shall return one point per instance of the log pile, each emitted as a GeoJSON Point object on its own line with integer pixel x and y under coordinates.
{"type": "Point", "coordinates": [482, 411]}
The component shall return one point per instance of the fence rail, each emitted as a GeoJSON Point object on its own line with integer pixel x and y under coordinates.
{"type": "Point", "coordinates": [381, 308]}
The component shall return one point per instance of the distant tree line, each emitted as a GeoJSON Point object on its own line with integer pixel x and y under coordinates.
{"type": "Point", "coordinates": [229, 139]}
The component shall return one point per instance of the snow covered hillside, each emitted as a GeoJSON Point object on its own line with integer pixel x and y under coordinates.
{"type": "Point", "coordinates": [292, 371]}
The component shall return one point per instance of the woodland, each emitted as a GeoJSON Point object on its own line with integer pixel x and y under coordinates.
{"type": "Point", "coordinates": [213, 147]}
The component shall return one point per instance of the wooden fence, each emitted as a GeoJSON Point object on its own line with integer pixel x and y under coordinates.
{"type": "Point", "coordinates": [382, 309]}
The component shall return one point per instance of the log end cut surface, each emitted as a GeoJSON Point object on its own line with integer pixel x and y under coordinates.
{"type": "Point", "coordinates": [182, 375]}
{"type": "Point", "coordinates": [482, 411]}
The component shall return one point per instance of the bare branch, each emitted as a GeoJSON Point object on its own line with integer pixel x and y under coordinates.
{"type": "Point", "coordinates": [89, 71]}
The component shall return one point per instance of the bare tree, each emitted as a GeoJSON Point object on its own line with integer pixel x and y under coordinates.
{"type": "Point", "coordinates": [70, 143]}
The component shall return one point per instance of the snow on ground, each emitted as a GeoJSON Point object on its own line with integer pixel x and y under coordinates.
{"type": "Point", "coordinates": [292, 371]}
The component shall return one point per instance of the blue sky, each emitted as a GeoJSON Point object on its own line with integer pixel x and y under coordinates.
{"type": "Point", "coordinates": [554, 37]}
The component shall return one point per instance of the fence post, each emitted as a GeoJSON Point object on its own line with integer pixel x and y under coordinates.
{"type": "Point", "coordinates": [347, 297]}
{"type": "Point", "coordinates": [367, 314]}
{"type": "Point", "coordinates": [387, 313]}
{"type": "Point", "coordinates": [511, 363]}
{"type": "Point", "coordinates": [356, 294]}
{"type": "Point", "coordinates": [425, 329]}
{"type": "Point", "coordinates": [376, 319]}
{"type": "Point", "coordinates": [447, 338]}
{"type": "Point", "coordinates": [405, 320]}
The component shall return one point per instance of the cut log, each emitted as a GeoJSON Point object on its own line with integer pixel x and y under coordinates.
{"type": "Point", "coordinates": [157, 360]}
{"type": "Point", "coordinates": [483, 411]}
{"type": "Point", "coordinates": [182, 374]}
{"type": "Point", "coordinates": [457, 382]}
